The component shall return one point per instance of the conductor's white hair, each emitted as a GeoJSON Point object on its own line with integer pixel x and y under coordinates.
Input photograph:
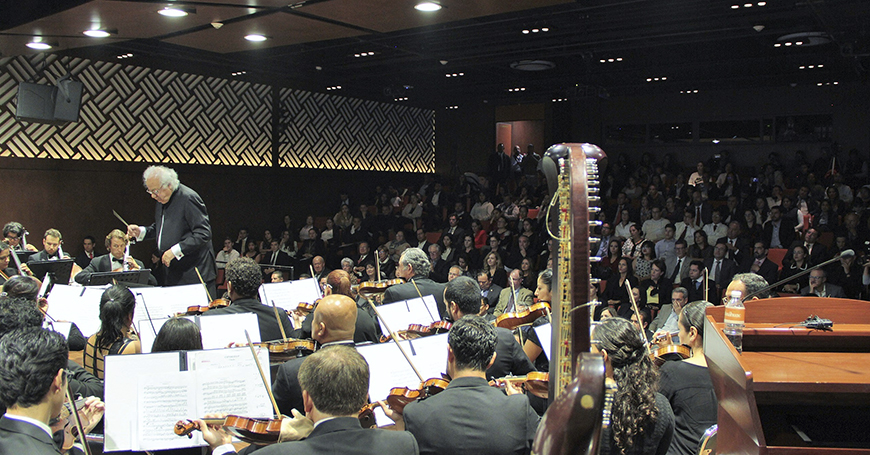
{"type": "Point", "coordinates": [166, 176]}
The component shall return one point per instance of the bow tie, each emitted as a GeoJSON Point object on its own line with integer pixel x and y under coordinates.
{"type": "Point", "coordinates": [119, 261]}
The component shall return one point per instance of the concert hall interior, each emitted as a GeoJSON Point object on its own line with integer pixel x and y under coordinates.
{"type": "Point", "coordinates": [374, 152]}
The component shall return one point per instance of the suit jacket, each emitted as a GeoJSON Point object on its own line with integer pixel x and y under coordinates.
{"type": "Point", "coordinates": [492, 297]}
{"type": "Point", "coordinates": [470, 417]}
{"type": "Point", "coordinates": [525, 299]}
{"type": "Point", "coordinates": [269, 329]}
{"type": "Point", "coordinates": [768, 270]}
{"type": "Point", "coordinates": [817, 256]}
{"type": "Point", "coordinates": [83, 260]}
{"type": "Point", "coordinates": [103, 264]}
{"type": "Point", "coordinates": [726, 273]}
{"type": "Point", "coordinates": [17, 438]}
{"type": "Point", "coordinates": [744, 249]}
{"type": "Point", "coordinates": [831, 290]}
{"type": "Point", "coordinates": [786, 233]}
{"type": "Point", "coordinates": [183, 220]}
{"type": "Point", "coordinates": [286, 389]}
{"type": "Point", "coordinates": [344, 435]}
{"type": "Point", "coordinates": [283, 259]}
{"type": "Point", "coordinates": [440, 269]}
{"type": "Point", "coordinates": [408, 291]}
{"type": "Point", "coordinates": [510, 358]}
{"type": "Point", "coordinates": [661, 317]}
{"type": "Point", "coordinates": [698, 294]}
{"type": "Point", "coordinates": [671, 264]}
{"type": "Point", "coordinates": [40, 256]}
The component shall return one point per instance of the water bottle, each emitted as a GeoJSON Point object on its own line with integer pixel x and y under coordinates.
{"type": "Point", "coordinates": [734, 313]}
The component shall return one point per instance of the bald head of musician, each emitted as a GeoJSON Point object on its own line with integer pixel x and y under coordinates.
{"type": "Point", "coordinates": [160, 182]}
{"type": "Point", "coordinates": [334, 319]}
{"type": "Point", "coordinates": [748, 283]}
{"type": "Point", "coordinates": [462, 297]}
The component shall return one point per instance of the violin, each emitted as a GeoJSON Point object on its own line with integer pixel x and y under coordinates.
{"type": "Point", "coordinates": [66, 423]}
{"type": "Point", "coordinates": [281, 351]}
{"type": "Point", "coordinates": [527, 316]}
{"type": "Point", "coordinates": [420, 330]}
{"type": "Point", "coordinates": [194, 310]}
{"type": "Point", "coordinates": [377, 287]}
{"type": "Point", "coordinates": [305, 307]}
{"type": "Point", "coordinates": [670, 352]}
{"type": "Point", "coordinates": [535, 382]}
{"type": "Point", "coordinates": [255, 431]}
{"type": "Point", "coordinates": [399, 397]}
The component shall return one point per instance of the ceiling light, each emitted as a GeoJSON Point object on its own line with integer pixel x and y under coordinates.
{"type": "Point", "coordinates": [171, 11]}
{"type": "Point", "coordinates": [747, 5]}
{"type": "Point", "coordinates": [238, 73]}
{"type": "Point", "coordinates": [534, 30]}
{"type": "Point", "coordinates": [619, 59]}
{"type": "Point", "coordinates": [427, 7]}
{"type": "Point", "coordinates": [545, 29]}
{"type": "Point", "coordinates": [525, 32]}
{"type": "Point", "coordinates": [450, 108]}
{"type": "Point", "coordinates": [255, 38]}
{"type": "Point", "coordinates": [123, 56]}
{"type": "Point", "coordinates": [97, 33]}
{"type": "Point", "coordinates": [735, 6]}
{"type": "Point", "coordinates": [38, 45]}
{"type": "Point", "coordinates": [715, 141]}
{"type": "Point", "coordinates": [777, 45]}
{"type": "Point", "coordinates": [533, 65]}
{"type": "Point", "coordinates": [761, 3]}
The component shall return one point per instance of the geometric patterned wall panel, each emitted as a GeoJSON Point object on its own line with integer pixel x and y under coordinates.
{"type": "Point", "coordinates": [130, 113]}
{"type": "Point", "coordinates": [321, 131]}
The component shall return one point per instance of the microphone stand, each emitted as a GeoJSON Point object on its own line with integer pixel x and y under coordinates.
{"type": "Point", "coordinates": [844, 253]}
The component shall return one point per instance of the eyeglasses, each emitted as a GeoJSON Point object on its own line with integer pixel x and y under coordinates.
{"type": "Point", "coordinates": [153, 192]}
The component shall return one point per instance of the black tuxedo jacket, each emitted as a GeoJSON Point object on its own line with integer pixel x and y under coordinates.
{"type": "Point", "coordinates": [283, 259]}
{"type": "Point", "coordinates": [286, 389]}
{"type": "Point", "coordinates": [408, 291]}
{"type": "Point", "coordinates": [510, 357]}
{"type": "Point", "coordinates": [698, 294]}
{"type": "Point", "coordinates": [83, 260]}
{"type": "Point", "coordinates": [345, 436]}
{"type": "Point", "coordinates": [470, 417]}
{"type": "Point", "coordinates": [103, 264]}
{"type": "Point", "coordinates": [18, 438]}
{"type": "Point", "coordinates": [41, 256]}
{"type": "Point", "coordinates": [492, 296]}
{"type": "Point", "coordinates": [269, 330]}
{"type": "Point", "coordinates": [183, 220]}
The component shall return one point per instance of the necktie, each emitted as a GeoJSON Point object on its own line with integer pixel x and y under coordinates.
{"type": "Point", "coordinates": [676, 273]}
{"type": "Point", "coordinates": [274, 257]}
{"type": "Point", "coordinates": [714, 228]}
{"type": "Point", "coordinates": [698, 215]}
{"type": "Point", "coordinates": [716, 270]}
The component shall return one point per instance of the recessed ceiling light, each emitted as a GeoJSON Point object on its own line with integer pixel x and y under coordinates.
{"type": "Point", "coordinates": [427, 6]}
{"type": "Point", "coordinates": [38, 45]}
{"type": "Point", "coordinates": [170, 11]}
{"type": "Point", "coordinates": [255, 38]}
{"type": "Point", "coordinates": [96, 33]}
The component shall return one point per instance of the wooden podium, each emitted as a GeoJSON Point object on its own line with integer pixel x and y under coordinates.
{"type": "Point", "coordinates": [793, 390]}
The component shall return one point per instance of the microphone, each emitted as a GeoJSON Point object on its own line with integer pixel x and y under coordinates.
{"type": "Point", "coordinates": [843, 254]}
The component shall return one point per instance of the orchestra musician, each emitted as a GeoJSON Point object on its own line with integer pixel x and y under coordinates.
{"type": "Point", "coordinates": [339, 282]}
{"type": "Point", "coordinates": [470, 416]}
{"type": "Point", "coordinates": [243, 279]}
{"type": "Point", "coordinates": [116, 243]}
{"type": "Point", "coordinates": [335, 386]}
{"type": "Point", "coordinates": [22, 312]}
{"type": "Point", "coordinates": [641, 419]}
{"type": "Point", "coordinates": [28, 287]}
{"type": "Point", "coordinates": [333, 324]}
{"type": "Point", "coordinates": [414, 266]}
{"type": "Point", "coordinates": [181, 228]}
{"type": "Point", "coordinates": [51, 241]}
{"type": "Point", "coordinates": [33, 382]}
{"type": "Point", "coordinates": [5, 259]}
{"type": "Point", "coordinates": [13, 232]}
{"type": "Point", "coordinates": [116, 335]}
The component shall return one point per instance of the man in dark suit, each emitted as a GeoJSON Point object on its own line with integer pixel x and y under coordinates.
{"type": "Point", "coordinates": [701, 208]}
{"type": "Point", "coordinates": [481, 418]}
{"type": "Point", "coordinates": [364, 258]}
{"type": "Point", "coordinates": [116, 243]}
{"type": "Point", "coordinates": [440, 267]}
{"type": "Point", "coordinates": [414, 267]}
{"type": "Point", "coordinates": [333, 324]}
{"type": "Point", "coordinates": [181, 227]}
{"type": "Point", "coordinates": [820, 287]}
{"type": "Point", "coordinates": [454, 229]}
{"type": "Point", "coordinates": [694, 283]}
{"type": "Point", "coordinates": [721, 269]}
{"type": "Point", "coordinates": [318, 264]}
{"type": "Point", "coordinates": [739, 248]}
{"type": "Point", "coordinates": [818, 253]}
{"type": "Point", "coordinates": [51, 242]}
{"type": "Point", "coordinates": [778, 233]}
{"type": "Point", "coordinates": [761, 265]}
{"type": "Point", "coordinates": [32, 385]}
{"type": "Point", "coordinates": [243, 281]}
{"type": "Point", "coordinates": [335, 385]}
{"type": "Point", "coordinates": [488, 291]}
{"type": "Point", "coordinates": [274, 257]}
{"type": "Point", "coordinates": [82, 260]}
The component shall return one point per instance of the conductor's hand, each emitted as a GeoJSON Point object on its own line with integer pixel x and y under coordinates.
{"type": "Point", "coordinates": [133, 231]}
{"type": "Point", "coordinates": [295, 428]}
{"type": "Point", "coordinates": [168, 256]}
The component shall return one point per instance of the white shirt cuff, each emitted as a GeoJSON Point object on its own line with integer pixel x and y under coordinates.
{"type": "Point", "coordinates": [224, 449]}
{"type": "Point", "coordinates": [176, 250]}
{"type": "Point", "coordinates": [142, 231]}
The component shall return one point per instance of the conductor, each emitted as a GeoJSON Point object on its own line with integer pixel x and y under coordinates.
{"type": "Point", "coordinates": [181, 228]}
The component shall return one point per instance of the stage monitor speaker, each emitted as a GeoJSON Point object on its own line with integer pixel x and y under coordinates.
{"type": "Point", "coordinates": [35, 103]}
{"type": "Point", "coordinates": [68, 100]}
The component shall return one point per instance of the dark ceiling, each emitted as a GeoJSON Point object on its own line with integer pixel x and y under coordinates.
{"type": "Point", "coordinates": [688, 44]}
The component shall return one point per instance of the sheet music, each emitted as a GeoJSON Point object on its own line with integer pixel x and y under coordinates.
{"type": "Point", "coordinates": [217, 331]}
{"type": "Point", "coordinates": [399, 315]}
{"type": "Point", "coordinates": [62, 328]}
{"type": "Point", "coordinates": [167, 301]}
{"type": "Point", "coordinates": [545, 336]}
{"type": "Point", "coordinates": [162, 399]}
{"type": "Point", "coordinates": [288, 294]}
{"type": "Point", "coordinates": [77, 304]}
{"type": "Point", "coordinates": [388, 367]}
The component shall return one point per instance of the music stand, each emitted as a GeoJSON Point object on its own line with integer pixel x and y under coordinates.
{"type": "Point", "coordinates": [24, 256]}
{"type": "Point", "coordinates": [129, 277]}
{"type": "Point", "coordinates": [59, 269]}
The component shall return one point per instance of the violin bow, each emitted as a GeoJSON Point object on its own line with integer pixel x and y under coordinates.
{"type": "Point", "coordinates": [419, 294]}
{"type": "Point", "coordinates": [393, 337]}
{"type": "Point", "coordinates": [706, 285]}
{"type": "Point", "coordinates": [17, 262]}
{"type": "Point", "coordinates": [637, 315]}
{"type": "Point", "coordinates": [278, 318]}
{"type": "Point", "coordinates": [147, 313]}
{"type": "Point", "coordinates": [263, 376]}
{"type": "Point", "coordinates": [78, 421]}
{"type": "Point", "coordinates": [207, 294]}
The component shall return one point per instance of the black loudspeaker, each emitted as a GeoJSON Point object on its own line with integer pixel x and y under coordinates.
{"type": "Point", "coordinates": [48, 104]}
